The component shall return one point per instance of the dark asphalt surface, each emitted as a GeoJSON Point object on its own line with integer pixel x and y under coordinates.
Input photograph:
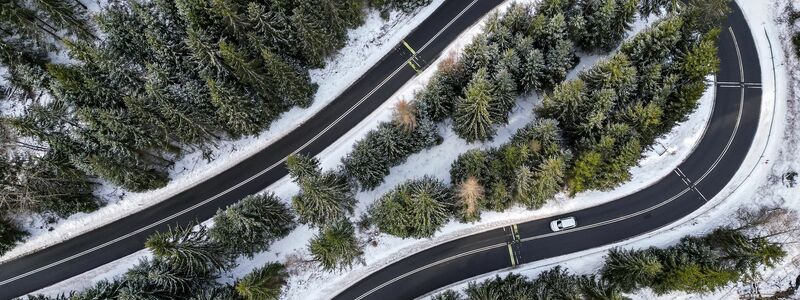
{"type": "Point", "coordinates": [127, 235]}
{"type": "Point", "coordinates": [703, 175]}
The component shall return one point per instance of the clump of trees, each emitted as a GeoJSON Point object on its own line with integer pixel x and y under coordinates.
{"type": "Point", "coordinates": [325, 197]}
{"type": "Point", "coordinates": [556, 283]}
{"type": "Point", "coordinates": [187, 260]}
{"type": "Point", "coordinates": [616, 109]}
{"type": "Point", "coordinates": [696, 265]}
{"type": "Point", "coordinates": [389, 145]}
{"type": "Point", "coordinates": [588, 131]}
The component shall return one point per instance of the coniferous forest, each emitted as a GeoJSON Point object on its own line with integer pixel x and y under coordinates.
{"type": "Point", "coordinates": [118, 95]}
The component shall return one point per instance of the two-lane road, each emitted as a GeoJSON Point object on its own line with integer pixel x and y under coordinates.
{"type": "Point", "coordinates": [709, 168]}
{"type": "Point", "coordinates": [127, 235]}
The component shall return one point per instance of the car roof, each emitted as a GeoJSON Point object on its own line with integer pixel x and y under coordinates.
{"type": "Point", "coordinates": [568, 221]}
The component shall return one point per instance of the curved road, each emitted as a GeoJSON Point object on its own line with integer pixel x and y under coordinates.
{"type": "Point", "coordinates": [703, 175]}
{"type": "Point", "coordinates": [127, 235]}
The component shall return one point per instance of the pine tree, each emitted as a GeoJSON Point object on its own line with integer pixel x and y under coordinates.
{"type": "Point", "coordinates": [473, 114]}
{"type": "Point", "coordinates": [264, 283]}
{"type": "Point", "coordinates": [557, 283]}
{"type": "Point", "coordinates": [247, 70]}
{"type": "Point", "coordinates": [569, 105]}
{"type": "Point", "coordinates": [336, 246]}
{"type": "Point", "coordinates": [45, 184]}
{"type": "Point", "coordinates": [499, 197]}
{"type": "Point", "coordinates": [531, 76]}
{"type": "Point", "coordinates": [250, 225]}
{"type": "Point", "coordinates": [559, 60]}
{"type": "Point", "coordinates": [436, 100]}
{"type": "Point", "coordinates": [654, 7]}
{"type": "Point", "coordinates": [599, 288]}
{"type": "Point", "coordinates": [366, 163]}
{"type": "Point", "coordinates": [312, 35]}
{"type": "Point", "coordinates": [103, 289]}
{"type": "Point", "coordinates": [187, 249]}
{"type": "Point", "coordinates": [606, 23]}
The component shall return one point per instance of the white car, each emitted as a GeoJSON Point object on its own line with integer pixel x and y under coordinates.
{"type": "Point", "coordinates": [563, 224]}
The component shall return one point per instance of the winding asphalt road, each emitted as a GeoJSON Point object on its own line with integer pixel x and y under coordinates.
{"type": "Point", "coordinates": [127, 235]}
{"type": "Point", "coordinates": [699, 178]}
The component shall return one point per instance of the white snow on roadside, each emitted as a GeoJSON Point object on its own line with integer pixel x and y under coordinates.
{"type": "Point", "coordinates": [758, 182]}
{"type": "Point", "coordinates": [308, 282]}
{"type": "Point", "coordinates": [366, 45]}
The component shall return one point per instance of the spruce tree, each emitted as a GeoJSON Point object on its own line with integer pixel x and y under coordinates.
{"type": "Point", "coordinates": [448, 294]}
{"type": "Point", "coordinates": [473, 163]}
{"type": "Point", "coordinates": [631, 269]}
{"type": "Point", "coordinates": [505, 95]}
{"type": "Point", "coordinates": [473, 115]}
{"type": "Point", "coordinates": [336, 246]}
{"type": "Point", "coordinates": [323, 198]}
{"type": "Point", "coordinates": [264, 283]}
{"type": "Point", "coordinates": [250, 225]}
{"type": "Point", "coordinates": [10, 235]}
{"type": "Point", "coordinates": [66, 15]}
{"type": "Point", "coordinates": [188, 250]}
{"type": "Point", "coordinates": [235, 109]}
{"type": "Point", "coordinates": [302, 167]}
{"type": "Point", "coordinates": [416, 208]}
{"type": "Point", "coordinates": [548, 181]}
{"type": "Point", "coordinates": [292, 86]}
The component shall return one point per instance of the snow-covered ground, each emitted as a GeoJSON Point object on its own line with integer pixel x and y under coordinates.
{"type": "Point", "coordinates": [758, 181]}
{"type": "Point", "coordinates": [308, 282]}
{"type": "Point", "coordinates": [366, 45]}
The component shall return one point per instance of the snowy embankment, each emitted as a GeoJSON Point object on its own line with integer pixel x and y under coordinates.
{"type": "Point", "coordinates": [758, 182]}
{"type": "Point", "coordinates": [365, 47]}
{"type": "Point", "coordinates": [308, 282]}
